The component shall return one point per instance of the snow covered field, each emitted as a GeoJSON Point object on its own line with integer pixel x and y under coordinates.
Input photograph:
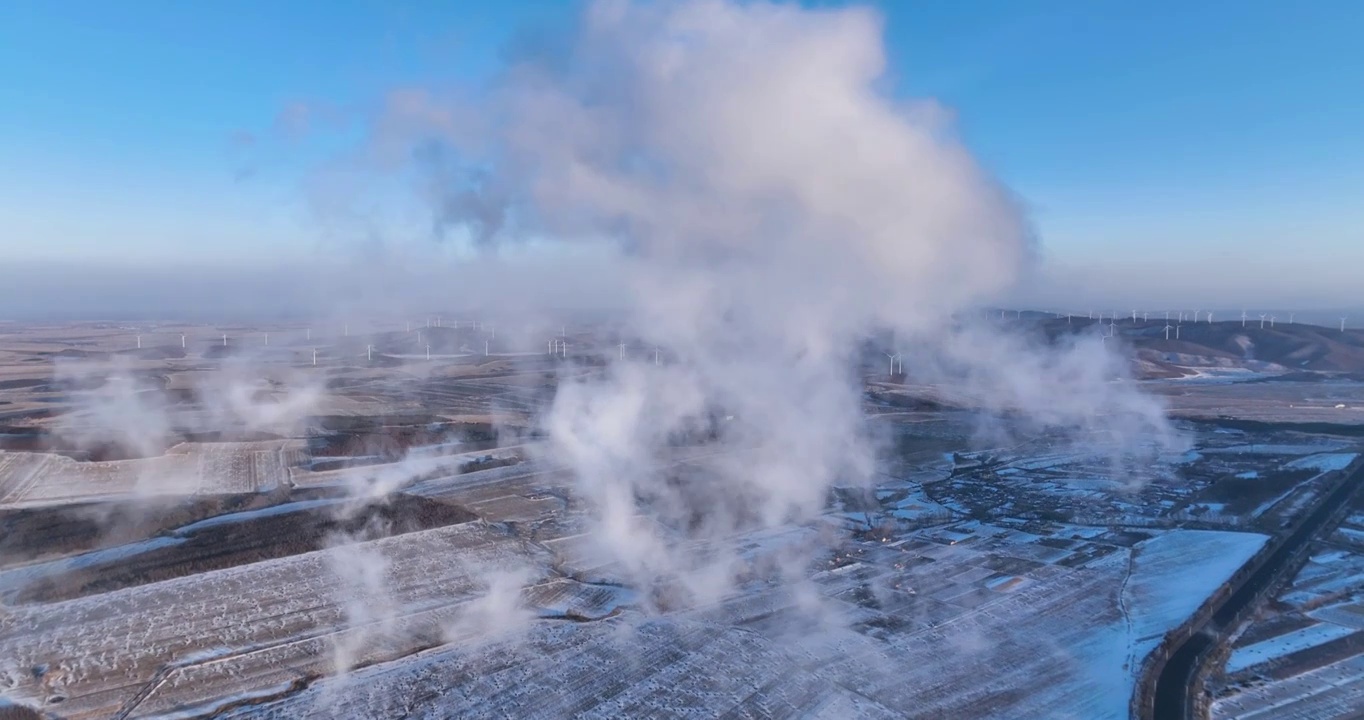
{"type": "Point", "coordinates": [1286, 644]}
{"type": "Point", "coordinates": [1324, 462]}
{"type": "Point", "coordinates": [1332, 691]}
{"type": "Point", "coordinates": [31, 479]}
{"type": "Point", "coordinates": [968, 630]}
{"type": "Point", "coordinates": [981, 601]}
{"type": "Point", "coordinates": [103, 649]}
{"type": "Point", "coordinates": [1326, 575]}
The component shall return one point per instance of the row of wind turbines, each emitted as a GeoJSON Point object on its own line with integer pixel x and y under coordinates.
{"type": "Point", "coordinates": [1180, 316]}
{"type": "Point", "coordinates": [225, 340]}
{"type": "Point", "coordinates": [555, 346]}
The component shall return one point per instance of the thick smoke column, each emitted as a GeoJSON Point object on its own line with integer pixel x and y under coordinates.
{"type": "Point", "coordinates": [774, 207]}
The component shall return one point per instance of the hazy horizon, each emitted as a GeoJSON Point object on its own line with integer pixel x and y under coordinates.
{"type": "Point", "coordinates": [1148, 170]}
{"type": "Point", "coordinates": [41, 292]}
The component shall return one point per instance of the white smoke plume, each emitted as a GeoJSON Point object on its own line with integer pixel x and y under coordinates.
{"type": "Point", "coordinates": [774, 206]}
{"type": "Point", "coordinates": [498, 613]}
{"type": "Point", "coordinates": [121, 406]}
{"type": "Point", "coordinates": [362, 593]}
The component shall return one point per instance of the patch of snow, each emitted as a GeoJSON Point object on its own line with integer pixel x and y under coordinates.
{"type": "Point", "coordinates": [217, 705]}
{"type": "Point", "coordinates": [1272, 449]}
{"type": "Point", "coordinates": [1315, 693]}
{"type": "Point", "coordinates": [1219, 375]}
{"type": "Point", "coordinates": [1173, 573]}
{"type": "Point", "coordinates": [1347, 614]}
{"type": "Point", "coordinates": [1324, 462]}
{"type": "Point", "coordinates": [273, 510]}
{"type": "Point", "coordinates": [1007, 583]}
{"type": "Point", "coordinates": [1283, 645]}
{"type": "Point", "coordinates": [1350, 535]}
{"type": "Point", "coordinates": [1266, 505]}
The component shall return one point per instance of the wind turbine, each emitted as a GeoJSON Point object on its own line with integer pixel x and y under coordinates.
{"type": "Point", "coordinates": [1290, 318]}
{"type": "Point", "coordinates": [563, 348]}
{"type": "Point", "coordinates": [1262, 321]}
{"type": "Point", "coordinates": [309, 336]}
{"type": "Point", "coordinates": [1177, 331]}
{"type": "Point", "coordinates": [1091, 315]}
{"type": "Point", "coordinates": [656, 355]}
{"type": "Point", "coordinates": [1243, 318]}
{"type": "Point", "coordinates": [1342, 324]}
{"type": "Point", "coordinates": [369, 352]}
{"type": "Point", "coordinates": [139, 342]}
{"type": "Point", "coordinates": [1146, 316]}
{"type": "Point", "coordinates": [1167, 331]}
{"type": "Point", "coordinates": [892, 362]}
{"type": "Point", "coordinates": [1195, 315]}
{"type": "Point", "coordinates": [182, 340]}
{"type": "Point", "coordinates": [1134, 316]}
{"type": "Point", "coordinates": [485, 348]}
{"type": "Point", "coordinates": [314, 357]}
{"type": "Point", "coordinates": [224, 339]}
{"type": "Point", "coordinates": [1271, 322]}
{"type": "Point", "coordinates": [428, 352]}
{"type": "Point", "coordinates": [1209, 317]}
{"type": "Point", "coordinates": [267, 338]}
{"type": "Point", "coordinates": [622, 350]}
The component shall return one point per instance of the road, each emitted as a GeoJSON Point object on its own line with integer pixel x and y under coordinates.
{"type": "Point", "coordinates": [1173, 698]}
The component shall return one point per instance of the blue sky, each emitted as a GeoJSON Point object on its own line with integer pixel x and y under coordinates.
{"type": "Point", "coordinates": [1138, 134]}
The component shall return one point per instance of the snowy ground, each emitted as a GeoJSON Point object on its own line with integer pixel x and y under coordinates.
{"type": "Point", "coordinates": [969, 630]}
{"type": "Point", "coordinates": [1324, 462]}
{"type": "Point", "coordinates": [953, 613]}
{"type": "Point", "coordinates": [1305, 659]}
{"type": "Point", "coordinates": [1213, 375]}
{"type": "Point", "coordinates": [1332, 691]}
{"type": "Point", "coordinates": [36, 479]}
{"type": "Point", "coordinates": [1283, 645]}
{"type": "Point", "coordinates": [1326, 575]}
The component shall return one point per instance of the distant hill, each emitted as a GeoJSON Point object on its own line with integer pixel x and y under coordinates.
{"type": "Point", "coordinates": [1283, 347]}
{"type": "Point", "coordinates": [155, 353]}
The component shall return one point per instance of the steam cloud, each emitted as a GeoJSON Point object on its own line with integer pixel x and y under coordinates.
{"type": "Point", "coordinates": [770, 207]}
{"type": "Point", "coordinates": [773, 207]}
{"type": "Point", "coordinates": [121, 406]}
